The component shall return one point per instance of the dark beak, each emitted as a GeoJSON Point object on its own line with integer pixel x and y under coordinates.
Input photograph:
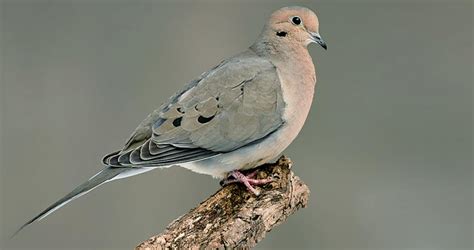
{"type": "Point", "coordinates": [316, 37]}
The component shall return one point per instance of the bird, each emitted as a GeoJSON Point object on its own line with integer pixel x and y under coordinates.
{"type": "Point", "coordinates": [238, 115]}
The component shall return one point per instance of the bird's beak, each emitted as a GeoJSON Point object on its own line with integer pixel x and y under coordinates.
{"type": "Point", "coordinates": [316, 37]}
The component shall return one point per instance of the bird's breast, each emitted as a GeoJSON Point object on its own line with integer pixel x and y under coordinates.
{"type": "Point", "coordinates": [298, 87]}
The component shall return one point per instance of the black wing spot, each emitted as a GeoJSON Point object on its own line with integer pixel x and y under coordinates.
{"type": "Point", "coordinates": [202, 119]}
{"type": "Point", "coordinates": [177, 121]}
{"type": "Point", "coordinates": [180, 110]}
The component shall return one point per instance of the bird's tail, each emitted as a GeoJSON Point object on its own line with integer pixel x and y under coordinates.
{"type": "Point", "coordinates": [107, 174]}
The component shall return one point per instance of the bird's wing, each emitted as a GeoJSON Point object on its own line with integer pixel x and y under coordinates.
{"type": "Point", "coordinates": [235, 104]}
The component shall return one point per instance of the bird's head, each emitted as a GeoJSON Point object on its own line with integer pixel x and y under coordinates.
{"type": "Point", "coordinates": [294, 26]}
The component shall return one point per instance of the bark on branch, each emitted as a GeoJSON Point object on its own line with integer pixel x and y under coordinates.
{"type": "Point", "coordinates": [235, 218]}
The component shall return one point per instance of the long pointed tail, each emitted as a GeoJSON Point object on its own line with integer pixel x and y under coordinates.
{"type": "Point", "coordinates": [100, 178]}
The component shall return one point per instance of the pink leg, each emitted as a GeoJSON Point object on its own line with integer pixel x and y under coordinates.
{"type": "Point", "coordinates": [247, 180]}
{"type": "Point", "coordinates": [229, 181]}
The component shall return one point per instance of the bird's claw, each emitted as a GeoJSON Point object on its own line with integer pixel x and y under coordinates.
{"type": "Point", "coordinates": [247, 180]}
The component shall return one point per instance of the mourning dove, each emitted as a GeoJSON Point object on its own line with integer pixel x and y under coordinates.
{"type": "Point", "coordinates": [238, 115]}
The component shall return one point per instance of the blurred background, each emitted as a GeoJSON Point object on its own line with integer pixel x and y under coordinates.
{"type": "Point", "coordinates": [386, 151]}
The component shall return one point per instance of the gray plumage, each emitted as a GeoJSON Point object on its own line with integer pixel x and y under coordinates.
{"type": "Point", "coordinates": [242, 113]}
{"type": "Point", "coordinates": [207, 117]}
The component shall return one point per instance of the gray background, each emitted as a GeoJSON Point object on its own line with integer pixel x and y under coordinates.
{"type": "Point", "coordinates": [386, 151]}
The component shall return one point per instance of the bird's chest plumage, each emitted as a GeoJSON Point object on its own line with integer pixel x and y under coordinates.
{"type": "Point", "coordinates": [298, 85]}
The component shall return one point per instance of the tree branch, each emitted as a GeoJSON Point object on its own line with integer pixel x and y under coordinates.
{"type": "Point", "coordinates": [235, 218]}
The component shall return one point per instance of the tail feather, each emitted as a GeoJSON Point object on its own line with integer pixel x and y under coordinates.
{"type": "Point", "coordinates": [107, 174]}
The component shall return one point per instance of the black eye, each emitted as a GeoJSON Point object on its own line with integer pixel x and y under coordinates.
{"type": "Point", "coordinates": [296, 20]}
{"type": "Point", "coordinates": [281, 33]}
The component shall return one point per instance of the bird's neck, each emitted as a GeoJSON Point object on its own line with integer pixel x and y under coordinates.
{"type": "Point", "coordinates": [291, 57]}
{"type": "Point", "coordinates": [295, 56]}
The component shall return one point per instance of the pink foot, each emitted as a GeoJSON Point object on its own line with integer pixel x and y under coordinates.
{"type": "Point", "coordinates": [247, 180]}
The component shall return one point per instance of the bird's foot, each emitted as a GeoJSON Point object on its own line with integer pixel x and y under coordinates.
{"type": "Point", "coordinates": [247, 180]}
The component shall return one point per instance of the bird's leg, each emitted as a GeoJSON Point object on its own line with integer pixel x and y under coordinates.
{"type": "Point", "coordinates": [247, 180]}
{"type": "Point", "coordinates": [231, 178]}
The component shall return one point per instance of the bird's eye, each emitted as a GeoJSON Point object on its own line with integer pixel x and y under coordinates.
{"type": "Point", "coordinates": [296, 20]}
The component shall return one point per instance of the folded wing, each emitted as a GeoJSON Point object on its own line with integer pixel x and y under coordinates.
{"type": "Point", "coordinates": [235, 104]}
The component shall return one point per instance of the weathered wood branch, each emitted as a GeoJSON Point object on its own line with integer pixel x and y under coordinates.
{"type": "Point", "coordinates": [234, 217]}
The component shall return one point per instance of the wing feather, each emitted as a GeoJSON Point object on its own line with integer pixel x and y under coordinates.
{"type": "Point", "coordinates": [237, 103]}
